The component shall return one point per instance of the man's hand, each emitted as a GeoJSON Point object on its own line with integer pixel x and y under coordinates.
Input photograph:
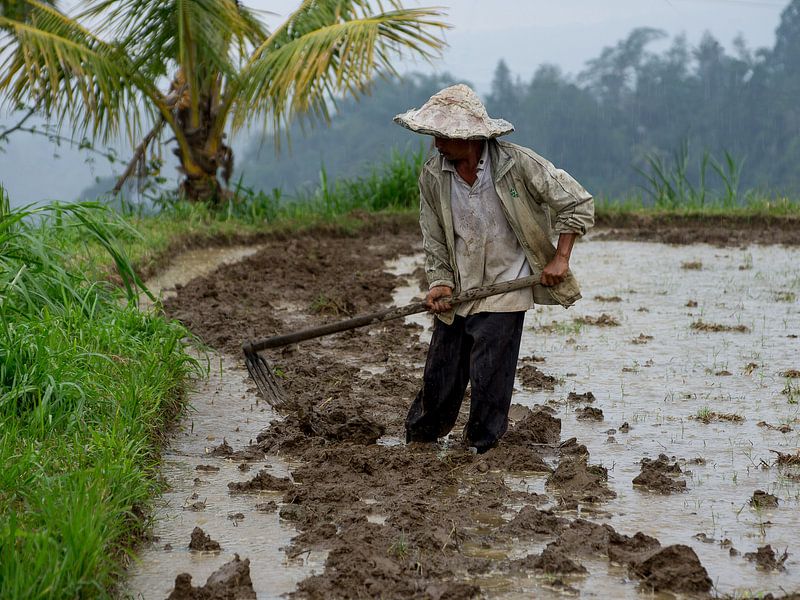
{"type": "Point", "coordinates": [555, 272]}
{"type": "Point", "coordinates": [434, 300]}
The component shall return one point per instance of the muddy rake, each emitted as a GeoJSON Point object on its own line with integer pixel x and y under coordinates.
{"type": "Point", "coordinates": [264, 375]}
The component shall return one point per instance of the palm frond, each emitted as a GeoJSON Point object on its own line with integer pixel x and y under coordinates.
{"type": "Point", "coordinates": [330, 47]}
{"type": "Point", "coordinates": [200, 36]}
{"type": "Point", "coordinates": [57, 64]}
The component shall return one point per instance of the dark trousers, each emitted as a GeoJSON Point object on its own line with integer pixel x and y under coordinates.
{"type": "Point", "coordinates": [482, 350]}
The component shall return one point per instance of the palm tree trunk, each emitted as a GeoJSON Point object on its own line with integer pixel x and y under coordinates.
{"type": "Point", "coordinates": [206, 155]}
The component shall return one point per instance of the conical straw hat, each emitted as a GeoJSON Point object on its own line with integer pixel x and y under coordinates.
{"type": "Point", "coordinates": [455, 112]}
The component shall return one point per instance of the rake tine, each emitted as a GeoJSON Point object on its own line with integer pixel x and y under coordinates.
{"type": "Point", "coordinates": [264, 378]}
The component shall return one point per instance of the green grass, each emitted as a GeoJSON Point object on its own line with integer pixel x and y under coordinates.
{"type": "Point", "coordinates": [752, 208]}
{"type": "Point", "coordinates": [87, 385]}
{"type": "Point", "coordinates": [390, 189]}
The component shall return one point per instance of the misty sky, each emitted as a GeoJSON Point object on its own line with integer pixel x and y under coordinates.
{"type": "Point", "coordinates": [526, 33]}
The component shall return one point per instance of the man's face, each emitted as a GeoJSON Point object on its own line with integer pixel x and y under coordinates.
{"type": "Point", "coordinates": [453, 150]}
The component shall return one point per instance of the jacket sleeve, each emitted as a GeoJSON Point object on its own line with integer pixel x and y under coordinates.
{"type": "Point", "coordinates": [572, 205]}
{"type": "Point", "coordinates": [437, 258]}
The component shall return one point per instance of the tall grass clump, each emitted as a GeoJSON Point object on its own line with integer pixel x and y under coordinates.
{"type": "Point", "coordinates": [670, 185]}
{"type": "Point", "coordinates": [87, 384]}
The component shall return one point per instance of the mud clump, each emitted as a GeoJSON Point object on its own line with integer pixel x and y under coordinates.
{"type": "Point", "coordinates": [585, 397]}
{"type": "Point", "coordinates": [659, 476]}
{"type": "Point", "coordinates": [589, 413]}
{"type": "Point", "coordinates": [712, 416]}
{"type": "Point", "coordinates": [202, 542]}
{"type": "Point", "coordinates": [536, 429]}
{"type": "Point", "coordinates": [604, 320]}
{"type": "Point", "coordinates": [783, 427]}
{"type": "Point", "coordinates": [701, 325]}
{"type": "Point", "coordinates": [551, 561]}
{"type": "Point", "coordinates": [628, 550]}
{"type": "Point", "coordinates": [224, 450]}
{"type": "Point", "coordinates": [338, 425]}
{"type": "Point", "coordinates": [264, 481]}
{"type": "Point", "coordinates": [230, 582]}
{"type": "Point", "coordinates": [762, 499]}
{"type": "Point", "coordinates": [533, 379]}
{"type": "Point", "coordinates": [270, 506]}
{"type": "Point", "coordinates": [676, 569]}
{"type": "Point", "coordinates": [576, 480]}
{"type": "Point", "coordinates": [582, 537]}
{"type": "Point", "coordinates": [531, 521]}
{"type": "Point", "coordinates": [765, 558]}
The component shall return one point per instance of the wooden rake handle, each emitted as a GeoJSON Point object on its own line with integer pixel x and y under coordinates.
{"type": "Point", "coordinates": [387, 314]}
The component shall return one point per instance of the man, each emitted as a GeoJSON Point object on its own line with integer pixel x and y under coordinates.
{"type": "Point", "coordinates": [485, 218]}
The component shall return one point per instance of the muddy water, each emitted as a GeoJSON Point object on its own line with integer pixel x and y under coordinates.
{"type": "Point", "coordinates": [655, 386]}
{"type": "Point", "coordinates": [660, 386]}
{"type": "Point", "coordinates": [223, 407]}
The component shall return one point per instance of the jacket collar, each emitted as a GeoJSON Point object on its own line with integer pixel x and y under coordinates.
{"type": "Point", "coordinates": [501, 159]}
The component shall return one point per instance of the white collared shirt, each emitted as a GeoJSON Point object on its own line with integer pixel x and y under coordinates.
{"type": "Point", "coordinates": [487, 250]}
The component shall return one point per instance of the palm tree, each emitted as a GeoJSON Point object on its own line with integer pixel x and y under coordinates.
{"type": "Point", "coordinates": [199, 68]}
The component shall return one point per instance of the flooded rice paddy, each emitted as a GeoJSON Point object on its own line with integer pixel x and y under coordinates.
{"type": "Point", "coordinates": [688, 345]}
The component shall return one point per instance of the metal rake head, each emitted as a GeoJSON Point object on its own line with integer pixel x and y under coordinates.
{"type": "Point", "coordinates": [264, 377]}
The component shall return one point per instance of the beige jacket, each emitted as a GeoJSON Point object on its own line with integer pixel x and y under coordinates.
{"type": "Point", "coordinates": [529, 187]}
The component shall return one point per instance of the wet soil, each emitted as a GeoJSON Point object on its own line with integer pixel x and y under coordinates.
{"type": "Point", "coordinates": [395, 520]}
{"type": "Point", "coordinates": [718, 231]}
{"type": "Point", "coordinates": [427, 521]}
